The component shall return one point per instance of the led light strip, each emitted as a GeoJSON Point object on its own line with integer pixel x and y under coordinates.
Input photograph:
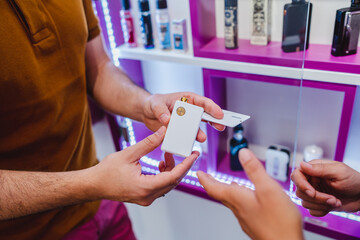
{"type": "Point", "coordinates": [155, 163]}
{"type": "Point", "coordinates": [110, 31]}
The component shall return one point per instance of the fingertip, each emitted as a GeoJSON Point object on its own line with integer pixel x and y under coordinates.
{"type": "Point", "coordinates": [338, 203]}
{"type": "Point", "coordinates": [245, 155]}
{"type": "Point", "coordinates": [164, 118]}
{"type": "Point", "coordinates": [332, 202]}
{"type": "Point", "coordinates": [196, 153]}
{"type": "Point", "coordinates": [200, 174]}
{"type": "Point", "coordinates": [201, 137]}
{"type": "Point", "coordinates": [161, 131]}
{"type": "Point", "coordinates": [217, 126]}
{"type": "Point", "coordinates": [305, 165]}
{"type": "Point", "coordinates": [310, 193]}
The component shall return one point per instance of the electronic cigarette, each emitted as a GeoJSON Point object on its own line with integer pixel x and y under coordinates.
{"type": "Point", "coordinates": [179, 35]}
{"type": "Point", "coordinates": [296, 26]}
{"type": "Point", "coordinates": [231, 31]}
{"type": "Point", "coordinates": [346, 32]}
{"type": "Point", "coordinates": [145, 24]}
{"type": "Point", "coordinates": [127, 24]}
{"type": "Point", "coordinates": [261, 22]}
{"type": "Point", "coordinates": [163, 24]}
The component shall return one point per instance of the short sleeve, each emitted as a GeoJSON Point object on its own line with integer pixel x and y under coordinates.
{"type": "Point", "coordinates": [92, 20]}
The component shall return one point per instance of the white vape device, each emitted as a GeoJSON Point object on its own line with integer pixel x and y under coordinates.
{"type": "Point", "coordinates": [184, 125]}
{"type": "Point", "coordinates": [261, 22]}
{"type": "Point", "coordinates": [277, 162]}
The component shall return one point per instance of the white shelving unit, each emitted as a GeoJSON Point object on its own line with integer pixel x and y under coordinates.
{"type": "Point", "coordinates": [138, 53]}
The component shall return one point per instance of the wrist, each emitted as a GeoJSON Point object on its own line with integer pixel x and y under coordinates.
{"type": "Point", "coordinates": [92, 182]}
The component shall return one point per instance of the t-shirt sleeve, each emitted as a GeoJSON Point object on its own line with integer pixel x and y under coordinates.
{"type": "Point", "coordinates": [92, 20]}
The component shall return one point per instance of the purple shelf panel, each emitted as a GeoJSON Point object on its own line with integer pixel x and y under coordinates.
{"type": "Point", "coordinates": [316, 57]}
{"type": "Point", "coordinates": [331, 226]}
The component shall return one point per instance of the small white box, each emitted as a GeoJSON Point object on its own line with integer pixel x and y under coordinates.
{"type": "Point", "coordinates": [261, 22]}
{"type": "Point", "coordinates": [277, 162]}
{"type": "Point", "coordinates": [179, 35]}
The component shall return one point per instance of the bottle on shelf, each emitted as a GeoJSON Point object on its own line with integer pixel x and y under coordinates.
{"type": "Point", "coordinates": [237, 142]}
{"type": "Point", "coordinates": [296, 26]}
{"type": "Point", "coordinates": [231, 24]}
{"type": "Point", "coordinates": [261, 22]}
{"type": "Point", "coordinates": [312, 152]}
{"type": "Point", "coordinates": [163, 24]}
{"type": "Point", "coordinates": [346, 32]}
{"type": "Point", "coordinates": [127, 24]}
{"type": "Point", "coordinates": [146, 25]}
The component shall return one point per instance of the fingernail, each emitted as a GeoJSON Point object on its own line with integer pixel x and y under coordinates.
{"type": "Point", "coordinates": [161, 131]}
{"type": "Point", "coordinates": [338, 203]}
{"type": "Point", "coordinates": [331, 201]}
{"type": "Point", "coordinates": [308, 165]}
{"type": "Point", "coordinates": [309, 193]}
{"type": "Point", "coordinates": [164, 117]}
{"type": "Point", "coordinates": [244, 155]}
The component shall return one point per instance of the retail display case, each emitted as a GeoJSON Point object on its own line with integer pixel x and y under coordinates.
{"type": "Point", "coordinates": [294, 99]}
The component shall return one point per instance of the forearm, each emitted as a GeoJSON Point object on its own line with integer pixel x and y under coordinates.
{"type": "Point", "coordinates": [116, 93]}
{"type": "Point", "coordinates": [110, 87]}
{"type": "Point", "coordinates": [23, 193]}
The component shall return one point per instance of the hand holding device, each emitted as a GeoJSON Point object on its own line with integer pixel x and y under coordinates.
{"type": "Point", "coordinates": [157, 108]}
{"type": "Point", "coordinates": [184, 126]}
{"type": "Point", "coordinates": [118, 176]}
{"type": "Point", "coordinates": [265, 213]}
{"type": "Point", "coordinates": [325, 185]}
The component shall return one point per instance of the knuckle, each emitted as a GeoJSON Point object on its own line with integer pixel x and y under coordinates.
{"type": "Point", "coordinates": [157, 109]}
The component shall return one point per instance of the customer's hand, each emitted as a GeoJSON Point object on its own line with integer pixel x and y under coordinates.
{"type": "Point", "coordinates": [325, 185]}
{"type": "Point", "coordinates": [157, 109]}
{"type": "Point", "coordinates": [266, 213]}
{"type": "Point", "coordinates": [118, 176]}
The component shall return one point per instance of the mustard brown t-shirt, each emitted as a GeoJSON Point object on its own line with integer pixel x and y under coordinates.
{"type": "Point", "coordinates": [44, 117]}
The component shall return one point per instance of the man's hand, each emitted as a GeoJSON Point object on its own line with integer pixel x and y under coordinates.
{"type": "Point", "coordinates": [266, 213]}
{"type": "Point", "coordinates": [158, 107]}
{"type": "Point", "coordinates": [118, 176]}
{"type": "Point", "coordinates": [325, 185]}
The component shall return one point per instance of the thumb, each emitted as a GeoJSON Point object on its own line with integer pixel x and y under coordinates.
{"type": "Point", "coordinates": [254, 169]}
{"type": "Point", "coordinates": [162, 113]}
{"type": "Point", "coordinates": [147, 145]}
{"type": "Point", "coordinates": [319, 169]}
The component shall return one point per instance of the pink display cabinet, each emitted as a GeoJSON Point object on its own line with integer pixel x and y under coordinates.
{"type": "Point", "coordinates": [207, 44]}
{"type": "Point", "coordinates": [218, 85]}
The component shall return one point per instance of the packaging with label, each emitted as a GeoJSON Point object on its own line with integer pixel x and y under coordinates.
{"type": "Point", "coordinates": [180, 35]}
{"type": "Point", "coordinates": [261, 22]}
{"type": "Point", "coordinates": [277, 162]}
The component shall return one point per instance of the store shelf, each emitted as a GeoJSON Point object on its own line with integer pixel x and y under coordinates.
{"type": "Point", "coordinates": [317, 57]}
{"type": "Point", "coordinates": [260, 68]}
